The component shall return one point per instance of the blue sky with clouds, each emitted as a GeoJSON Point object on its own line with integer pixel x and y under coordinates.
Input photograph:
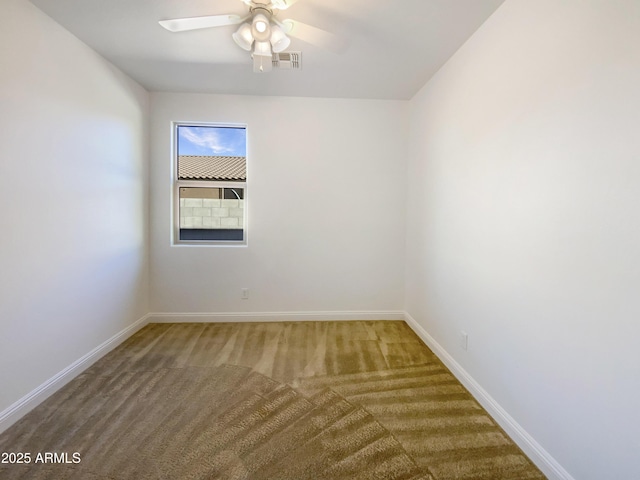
{"type": "Point", "coordinates": [217, 141]}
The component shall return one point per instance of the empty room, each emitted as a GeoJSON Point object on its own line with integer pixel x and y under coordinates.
{"type": "Point", "coordinates": [305, 239]}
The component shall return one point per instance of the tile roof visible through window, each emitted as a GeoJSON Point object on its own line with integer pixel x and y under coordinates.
{"type": "Point", "coordinates": [193, 167]}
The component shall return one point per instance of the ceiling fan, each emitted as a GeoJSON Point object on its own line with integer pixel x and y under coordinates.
{"type": "Point", "coordinates": [260, 32]}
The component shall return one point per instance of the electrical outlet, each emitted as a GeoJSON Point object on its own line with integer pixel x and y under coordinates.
{"type": "Point", "coordinates": [244, 293]}
{"type": "Point", "coordinates": [464, 340]}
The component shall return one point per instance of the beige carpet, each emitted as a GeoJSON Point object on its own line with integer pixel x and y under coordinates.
{"type": "Point", "coordinates": [308, 400]}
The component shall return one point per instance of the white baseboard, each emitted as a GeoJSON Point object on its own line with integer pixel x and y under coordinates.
{"type": "Point", "coordinates": [538, 455]}
{"type": "Point", "coordinates": [27, 403]}
{"type": "Point", "coordinates": [231, 317]}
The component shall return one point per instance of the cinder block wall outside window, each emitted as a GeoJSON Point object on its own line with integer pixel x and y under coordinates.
{"type": "Point", "coordinates": [211, 213]}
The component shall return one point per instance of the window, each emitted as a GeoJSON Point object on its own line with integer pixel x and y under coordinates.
{"type": "Point", "coordinates": [210, 187]}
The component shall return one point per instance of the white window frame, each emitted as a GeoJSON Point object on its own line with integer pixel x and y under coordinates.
{"type": "Point", "coordinates": [177, 184]}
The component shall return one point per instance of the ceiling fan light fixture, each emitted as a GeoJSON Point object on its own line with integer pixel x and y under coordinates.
{"type": "Point", "coordinates": [260, 28]}
{"type": "Point", "coordinates": [262, 34]}
{"type": "Point", "coordinates": [262, 57]}
{"type": "Point", "coordinates": [243, 37]}
{"type": "Point", "coordinates": [279, 41]}
{"type": "Point", "coordinates": [262, 49]}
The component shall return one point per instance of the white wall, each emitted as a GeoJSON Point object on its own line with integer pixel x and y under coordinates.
{"type": "Point", "coordinates": [72, 273]}
{"type": "Point", "coordinates": [524, 223]}
{"type": "Point", "coordinates": [337, 167]}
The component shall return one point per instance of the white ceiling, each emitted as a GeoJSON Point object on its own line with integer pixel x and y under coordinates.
{"type": "Point", "coordinates": [395, 46]}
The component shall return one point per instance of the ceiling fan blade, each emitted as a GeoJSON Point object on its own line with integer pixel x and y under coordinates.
{"type": "Point", "coordinates": [194, 23]}
{"type": "Point", "coordinates": [315, 36]}
{"type": "Point", "coordinates": [282, 4]}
